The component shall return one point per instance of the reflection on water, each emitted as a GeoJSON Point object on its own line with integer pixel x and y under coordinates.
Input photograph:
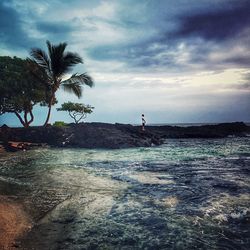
{"type": "Point", "coordinates": [185, 194]}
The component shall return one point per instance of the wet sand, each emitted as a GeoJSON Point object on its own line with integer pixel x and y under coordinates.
{"type": "Point", "coordinates": [2, 151]}
{"type": "Point", "coordinates": [14, 222]}
{"type": "Point", "coordinates": [38, 208]}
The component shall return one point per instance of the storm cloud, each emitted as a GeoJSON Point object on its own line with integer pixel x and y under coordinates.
{"type": "Point", "coordinates": [175, 57]}
{"type": "Point", "coordinates": [217, 24]}
{"type": "Point", "coordinates": [12, 33]}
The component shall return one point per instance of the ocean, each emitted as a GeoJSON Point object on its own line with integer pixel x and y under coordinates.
{"type": "Point", "coordinates": [184, 194]}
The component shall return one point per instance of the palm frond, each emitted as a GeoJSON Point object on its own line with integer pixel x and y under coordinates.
{"type": "Point", "coordinates": [55, 50]}
{"type": "Point", "coordinates": [73, 87]}
{"type": "Point", "coordinates": [41, 58]}
{"type": "Point", "coordinates": [71, 59]}
{"type": "Point", "coordinates": [49, 46]}
{"type": "Point", "coordinates": [60, 48]}
{"type": "Point", "coordinates": [73, 84]}
{"type": "Point", "coordinates": [56, 54]}
{"type": "Point", "coordinates": [81, 79]}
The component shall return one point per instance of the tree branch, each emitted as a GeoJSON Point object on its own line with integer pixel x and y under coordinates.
{"type": "Point", "coordinates": [20, 118]}
{"type": "Point", "coordinates": [31, 117]}
{"type": "Point", "coordinates": [25, 117]}
{"type": "Point", "coordinates": [72, 116]}
{"type": "Point", "coordinates": [82, 117]}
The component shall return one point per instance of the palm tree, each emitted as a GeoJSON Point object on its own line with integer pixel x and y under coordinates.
{"type": "Point", "coordinates": [57, 63]}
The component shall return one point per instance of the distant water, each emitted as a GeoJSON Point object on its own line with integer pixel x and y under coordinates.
{"type": "Point", "coordinates": [185, 124]}
{"type": "Point", "coordinates": [185, 194]}
{"type": "Point", "coordinates": [181, 124]}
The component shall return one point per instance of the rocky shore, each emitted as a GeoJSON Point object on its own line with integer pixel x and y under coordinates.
{"type": "Point", "coordinates": [221, 130]}
{"type": "Point", "coordinates": [114, 136]}
{"type": "Point", "coordinates": [95, 199]}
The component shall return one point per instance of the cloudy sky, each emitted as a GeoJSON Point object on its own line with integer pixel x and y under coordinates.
{"type": "Point", "coordinates": [174, 60]}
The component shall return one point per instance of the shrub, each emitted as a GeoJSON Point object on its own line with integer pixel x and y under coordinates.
{"type": "Point", "coordinates": [60, 124]}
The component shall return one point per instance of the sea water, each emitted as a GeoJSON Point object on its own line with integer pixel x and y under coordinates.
{"type": "Point", "coordinates": [184, 194]}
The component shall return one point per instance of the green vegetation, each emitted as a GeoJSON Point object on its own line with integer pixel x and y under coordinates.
{"type": "Point", "coordinates": [57, 63]}
{"type": "Point", "coordinates": [26, 83]}
{"type": "Point", "coordinates": [77, 111]}
{"type": "Point", "coordinates": [21, 88]}
{"type": "Point", "coordinates": [60, 124]}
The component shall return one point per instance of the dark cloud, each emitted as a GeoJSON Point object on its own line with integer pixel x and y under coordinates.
{"type": "Point", "coordinates": [154, 31]}
{"type": "Point", "coordinates": [216, 24]}
{"type": "Point", "coordinates": [12, 34]}
{"type": "Point", "coordinates": [204, 28]}
{"type": "Point", "coordinates": [124, 51]}
{"type": "Point", "coordinates": [56, 31]}
{"type": "Point", "coordinates": [135, 39]}
{"type": "Point", "coordinates": [142, 54]}
{"type": "Point", "coordinates": [54, 27]}
{"type": "Point", "coordinates": [243, 60]}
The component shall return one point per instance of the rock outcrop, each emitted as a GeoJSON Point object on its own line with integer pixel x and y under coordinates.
{"type": "Point", "coordinates": [85, 135]}
{"type": "Point", "coordinates": [206, 131]}
{"type": "Point", "coordinates": [112, 136]}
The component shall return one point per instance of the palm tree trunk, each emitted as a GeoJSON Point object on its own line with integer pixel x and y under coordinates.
{"type": "Point", "coordinates": [48, 115]}
{"type": "Point", "coordinates": [49, 111]}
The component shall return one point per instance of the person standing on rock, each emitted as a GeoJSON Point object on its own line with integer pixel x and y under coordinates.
{"type": "Point", "coordinates": [143, 122]}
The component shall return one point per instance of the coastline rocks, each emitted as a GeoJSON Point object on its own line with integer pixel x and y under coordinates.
{"type": "Point", "coordinates": [206, 131]}
{"type": "Point", "coordinates": [86, 135]}
{"type": "Point", "coordinates": [103, 135]}
{"type": "Point", "coordinates": [115, 136]}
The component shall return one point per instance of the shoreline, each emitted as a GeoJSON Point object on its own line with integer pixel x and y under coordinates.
{"type": "Point", "coordinates": [55, 202]}
{"type": "Point", "coordinates": [115, 136]}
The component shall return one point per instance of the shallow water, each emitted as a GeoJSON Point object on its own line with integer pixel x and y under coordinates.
{"type": "Point", "coordinates": [185, 194]}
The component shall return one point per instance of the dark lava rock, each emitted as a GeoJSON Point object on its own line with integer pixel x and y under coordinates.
{"type": "Point", "coordinates": [86, 135]}
{"type": "Point", "coordinates": [206, 131]}
{"type": "Point", "coordinates": [103, 135]}
{"type": "Point", "coordinates": [114, 136]}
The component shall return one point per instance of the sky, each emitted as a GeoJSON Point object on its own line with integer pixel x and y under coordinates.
{"type": "Point", "coordinates": [176, 61]}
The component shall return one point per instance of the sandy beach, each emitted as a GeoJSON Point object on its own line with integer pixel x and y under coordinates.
{"type": "Point", "coordinates": [14, 222]}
